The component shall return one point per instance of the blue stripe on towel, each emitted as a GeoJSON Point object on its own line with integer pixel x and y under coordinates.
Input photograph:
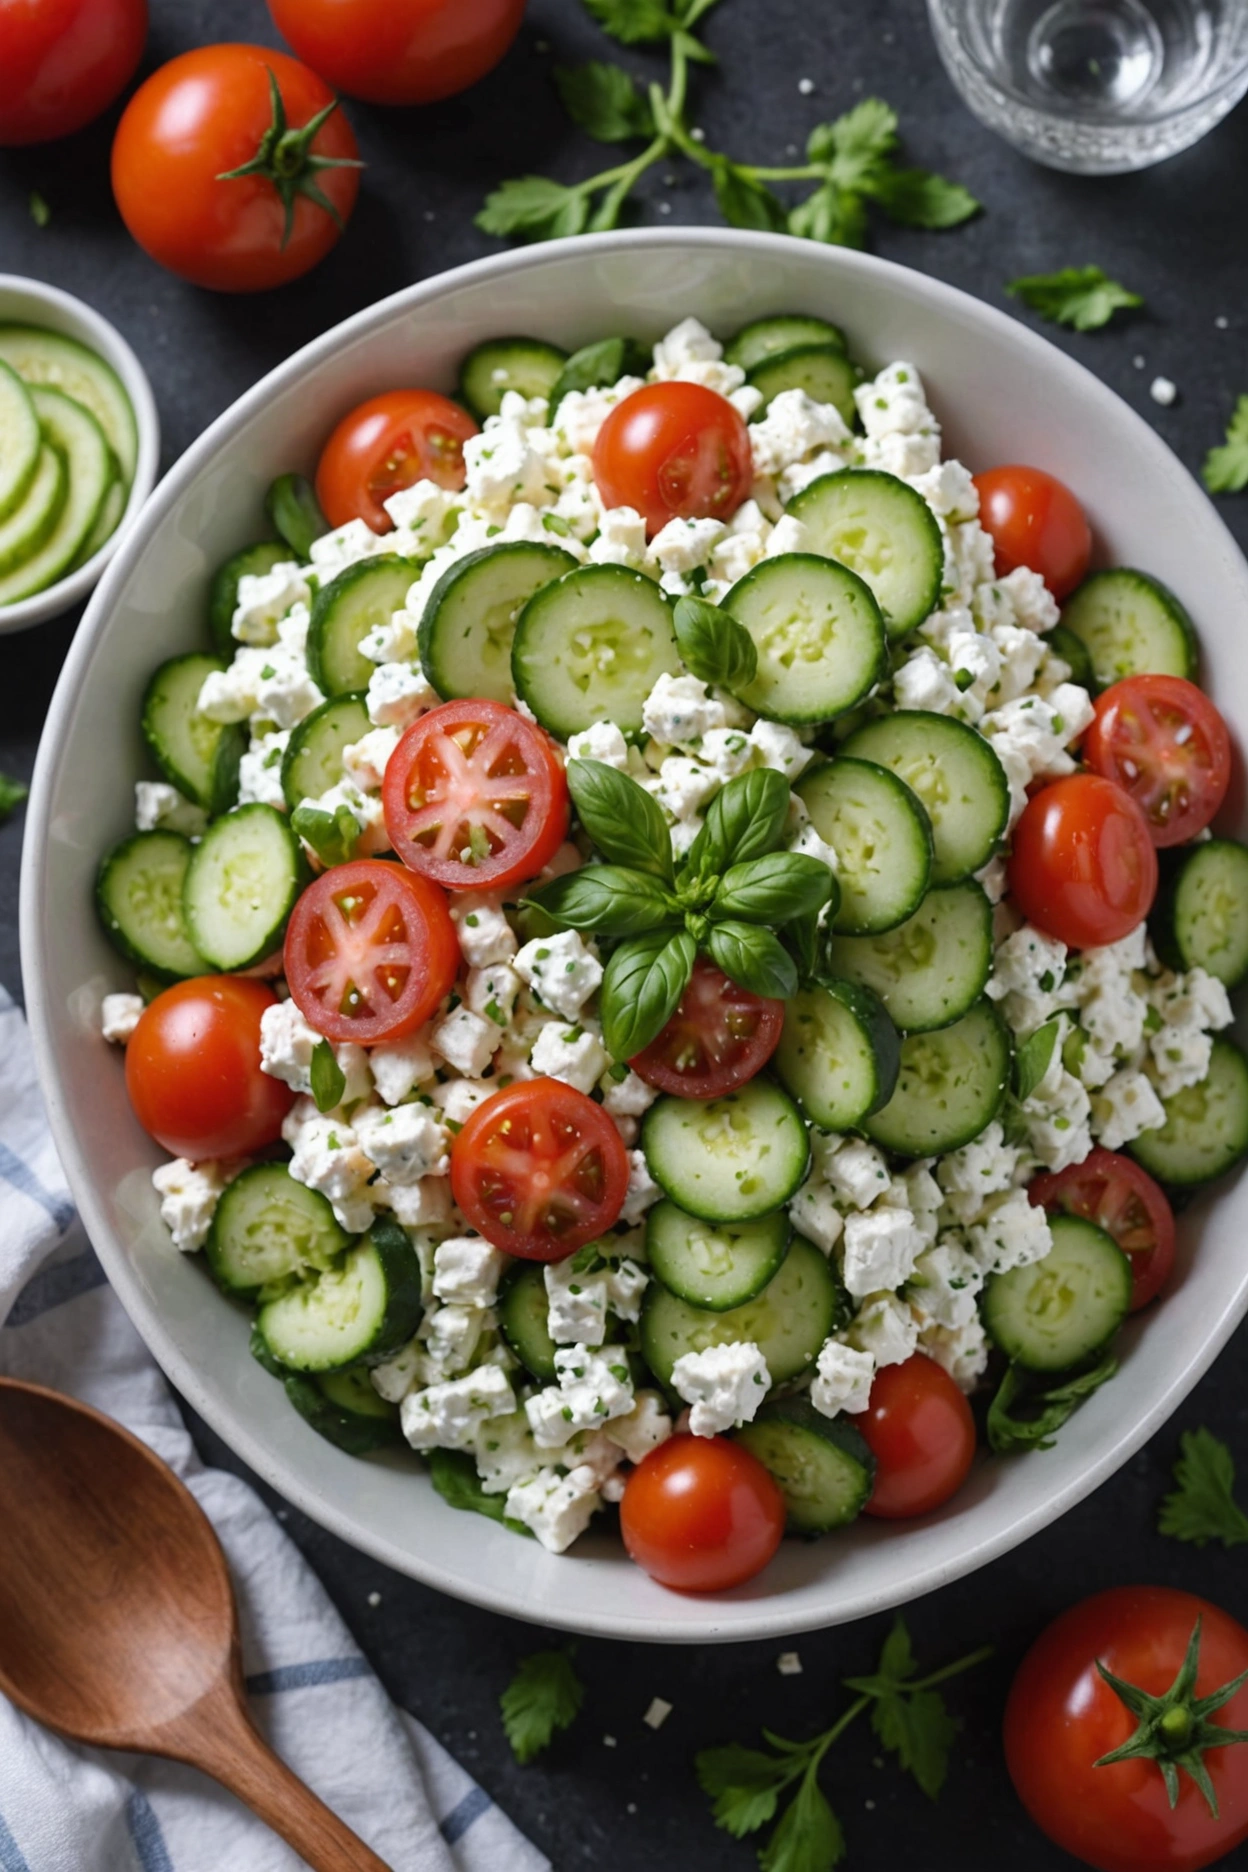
{"type": "Point", "coordinates": [308, 1676]}
{"type": "Point", "coordinates": [462, 1816]}
{"type": "Point", "coordinates": [53, 1286]}
{"type": "Point", "coordinates": [149, 1841]}
{"type": "Point", "coordinates": [23, 1178]}
{"type": "Point", "coordinates": [12, 1858]}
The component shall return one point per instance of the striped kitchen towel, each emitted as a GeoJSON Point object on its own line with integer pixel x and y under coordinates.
{"type": "Point", "coordinates": [69, 1809]}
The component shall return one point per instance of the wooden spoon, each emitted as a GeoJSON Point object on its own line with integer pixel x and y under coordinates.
{"type": "Point", "coordinates": [117, 1620]}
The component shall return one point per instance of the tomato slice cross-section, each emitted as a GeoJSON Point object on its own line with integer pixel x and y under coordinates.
{"type": "Point", "coordinates": [1120, 1197]}
{"type": "Point", "coordinates": [1166, 745]}
{"type": "Point", "coordinates": [719, 1036]}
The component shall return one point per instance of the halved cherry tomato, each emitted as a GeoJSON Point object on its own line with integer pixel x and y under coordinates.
{"type": "Point", "coordinates": [1083, 867]}
{"type": "Point", "coordinates": [1120, 1197]}
{"type": "Point", "coordinates": [399, 51]}
{"type": "Point", "coordinates": [388, 443]}
{"type": "Point", "coordinates": [1035, 521]}
{"type": "Point", "coordinates": [64, 61]}
{"type": "Point", "coordinates": [1166, 745]}
{"type": "Point", "coordinates": [475, 796]}
{"type": "Point", "coordinates": [370, 951]}
{"type": "Point", "coordinates": [701, 1514]}
{"type": "Point", "coordinates": [193, 1069]}
{"type": "Point", "coordinates": [719, 1036]}
{"type": "Point", "coordinates": [539, 1170]}
{"type": "Point", "coordinates": [922, 1434]}
{"type": "Point", "coordinates": [674, 451]}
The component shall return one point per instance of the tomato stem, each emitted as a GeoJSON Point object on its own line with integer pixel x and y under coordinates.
{"type": "Point", "coordinates": [1174, 1730]}
{"type": "Point", "coordinates": [286, 158]}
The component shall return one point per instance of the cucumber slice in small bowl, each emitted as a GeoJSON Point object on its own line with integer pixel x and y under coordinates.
{"type": "Point", "coordinates": [49, 359]}
{"type": "Point", "coordinates": [198, 756]}
{"type": "Point", "coordinates": [75, 434]}
{"type": "Point", "coordinates": [823, 1467]}
{"type": "Point", "coordinates": [360, 1310]}
{"type": "Point", "coordinates": [21, 440]}
{"type": "Point", "coordinates": [241, 886]}
{"type": "Point", "coordinates": [24, 530]}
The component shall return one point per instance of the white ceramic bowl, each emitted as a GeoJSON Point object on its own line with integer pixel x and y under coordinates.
{"type": "Point", "coordinates": [1003, 395]}
{"type": "Point", "coordinates": [30, 302]}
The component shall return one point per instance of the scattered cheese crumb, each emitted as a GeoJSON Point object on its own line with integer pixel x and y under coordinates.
{"type": "Point", "coordinates": [805, 86]}
{"type": "Point", "coordinates": [658, 1713]}
{"type": "Point", "coordinates": [1222, 322]}
{"type": "Point", "coordinates": [789, 1664]}
{"type": "Point", "coordinates": [374, 1598]}
{"type": "Point", "coordinates": [608, 1741]}
{"type": "Point", "coordinates": [1163, 391]}
{"type": "Point", "coordinates": [1139, 361]}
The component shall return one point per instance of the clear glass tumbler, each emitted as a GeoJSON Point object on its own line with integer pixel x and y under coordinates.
{"type": "Point", "coordinates": [1096, 86]}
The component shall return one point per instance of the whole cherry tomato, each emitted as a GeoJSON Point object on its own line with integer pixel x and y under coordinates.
{"type": "Point", "coordinates": [1120, 1197]}
{"type": "Point", "coordinates": [193, 1069]}
{"type": "Point", "coordinates": [922, 1435]}
{"type": "Point", "coordinates": [64, 61]}
{"type": "Point", "coordinates": [1166, 745]}
{"type": "Point", "coordinates": [386, 444]}
{"type": "Point", "coordinates": [1083, 866]}
{"type": "Point", "coordinates": [1035, 521]}
{"type": "Point", "coordinates": [701, 1514]}
{"type": "Point", "coordinates": [399, 51]}
{"type": "Point", "coordinates": [674, 451]}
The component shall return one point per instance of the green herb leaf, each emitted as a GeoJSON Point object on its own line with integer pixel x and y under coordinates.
{"type": "Point", "coordinates": [295, 513]}
{"type": "Point", "coordinates": [332, 836]}
{"type": "Point", "coordinates": [454, 1476]}
{"type": "Point", "coordinates": [40, 213]}
{"type": "Point", "coordinates": [917, 198]}
{"type": "Point", "coordinates": [625, 823]}
{"type": "Point", "coordinates": [809, 1836]}
{"type": "Point", "coordinates": [1033, 1059]}
{"type": "Point", "coordinates": [641, 987]}
{"type": "Point", "coordinates": [744, 201]}
{"type": "Point", "coordinates": [1225, 469]}
{"type": "Point", "coordinates": [544, 1696]}
{"type": "Point", "coordinates": [744, 820]}
{"type": "Point", "coordinates": [328, 1079]}
{"type": "Point", "coordinates": [755, 957]}
{"type": "Point", "coordinates": [12, 793]}
{"type": "Point", "coordinates": [635, 22]}
{"type": "Point", "coordinates": [1027, 1414]}
{"type": "Point", "coordinates": [599, 364]}
{"type": "Point", "coordinates": [604, 101]}
{"type": "Point", "coordinates": [773, 889]}
{"type": "Point", "coordinates": [713, 645]}
{"type": "Point", "coordinates": [855, 144]}
{"type": "Point", "coordinates": [535, 207]}
{"type": "Point", "coordinates": [1203, 1506]}
{"type": "Point", "coordinates": [606, 898]}
{"type": "Point", "coordinates": [919, 1730]}
{"type": "Point", "coordinates": [743, 1784]}
{"type": "Point", "coordinates": [831, 215]}
{"type": "Point", "coordinates": [1083, 297]}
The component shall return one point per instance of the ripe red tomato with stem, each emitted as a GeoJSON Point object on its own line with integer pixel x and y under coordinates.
{"type": "Point", "coordinates": [674, 451]}
{"type": "Point", "coordinates": [921, 1432]}
{"type": "Point", "coordinates": [62, 62]}
{"type": "Point", "coordinates": [1119, 1196]}
{"type": "Point", "coordinates": [193, 1069]}
{"type": "Point", "coordinates": [234, 168]}
{"type": "Point", "coordinates": [701, 1514]}
{"type": "Point", "coordinates": [399, 51]}
{"type": "Point", "coordinates": [1163, 741]}
{"type": "Point", "coordinates": [1083, 866]}
{"type": "Point", "coordinates": [1035, 521]}
{"type": "Point", "coordinates": [719, 1036]}
{"type": "Point", "coordinates": [386, 444]}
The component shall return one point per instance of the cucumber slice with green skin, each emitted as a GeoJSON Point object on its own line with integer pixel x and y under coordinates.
{"type": "Point", "coordinates": [823, 1467]}
{"type": "Point", "coordinates": [595, 366]}
{"type": "Point", "coordinates": [1074, 651]}
{"type": "Point", "coordinates": [344, 611]}
{"type": "Point", "coordinates": [359, 1311]}
{"type": "Point", "coordinates": [788, 1320]}
{"type": "Point", "coordinates": [295, 513]}
{"type": "Point", "coordinates": [882, 530]}
{"type": "Point", "coordinates": [252, 562]}
{"type": "Point", "coordinates": [1206, 1128]}
{"type": "Point", "coordinates": [74, 433]}
{"type": "Point", "coordinates": [931, 968]}
{"type": "Point", "coordinates": [765, 337]}
{"type": "Point", "coordinates": [1132, 626]}
{"type": "Point", "coordinates": [241, 886]}
{"type": "Point", "coordinates": [1057, 1312]}
{"type": "Point", "coordinates": [312, 762]}
{"type": "Point", "coordinates": [714, 1265]}
{"type": "Point", "coordinates": [260, 1352]}
{"type": "Point", "coordinates": [269, 1228]}
{"type": "Point", "coordinates": [344, 1408]}
{"type": "Point", "coordinates": [198, 756]}
{"type": "Point", "coordinates": [958, 779]}
{"type": "Point", "coordinates": [25, 529]}
{"type": "Point", "coordinates": [822, 370]}
{"type": "Point", "coordinates": [882, 838]}
{"type": "Point", "coordinates": [728, 1159]}
{"type": "Point", "coordinates": [21, 440]}
{"type": "Point", "coordinates": [47, 358]}
{"type": "Point", "coordinates": [139, 898]}
{"type": "Point", "coordinates": [527, 365]}
{"type": "Point", "coordinates": [591, 646]}
{"type": "Point", "coordinates": [469, 621]}
{"type": "Point", "coordinates": [1201, 916]}
{"type": "Point", "coordinates": [523, 1309]}
{"type": "Point", "coordinates": [818, 633]}
{"type": "Point", "coordinates": [950, 1086]}
{"type": "Point", "coordinates": [107, 522]}
{"type": "Point", "coordinates": [839, 1053]}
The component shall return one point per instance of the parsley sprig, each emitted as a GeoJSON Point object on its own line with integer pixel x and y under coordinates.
{"type": "Point", "coordinates": [1082, 297]}
{"type": "Point", "coordinates": [853, 162]}
{"type": "Point", "coordinates": [1225, 469]}
{"type": "Point", "coordinates": [12, 793]}
{"type": "Point", "coordinates": [1203, 1507]}
{"type": "Point", "coordinates": [910, 1719]}
{"type": "Point", "coordinates": [545, 1695]}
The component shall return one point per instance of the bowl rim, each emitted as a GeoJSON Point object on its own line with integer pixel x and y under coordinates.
{"type": "Point", "coordinates": [771, 1619]}
{"type": "Point", "coordinates": [101, 335]}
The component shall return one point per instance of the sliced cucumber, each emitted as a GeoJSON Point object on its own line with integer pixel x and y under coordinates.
{"type": "Point", "coordinates": [361, 1310]}
{"type": "Point", "coordinates": [824, 1468]}
{"type": "Point", "coordinates": [728, 1159]}
{"type": "Point", "coordinates": [1057, 1312]}
{"type": "Point", "coordinates": [75, 434]}
{"type": "Point", "coordinates": [523, 1312]}
{"type": "Point", "coordinates": [469, 620]}
{"type": "Point", "coordinates": [882, 530]}
{"type": "Point", "coordinates": [344, 611]}
{"type": "Point", "coordinates": [198, 756]}
{"type": "Point", "coordinates": [882, 838]}
{"type": "Point", "coordinates": [788, 1320]}
{"type": "Point", "coordinates": [344, 1408]}
{"type": "Point", "coordinates": [312, 762]}
{"type": "Point", "coordinates": [58, 363]}
{"type": "Point", "coordinates": [818, 633]}
{"type": "Point", "coordinates": [23, 531]}
{"type": "Point", "coordinates": [931, 968]}
{"type": "Point", "coordinates": [21, 441]}
{"type": "Point", "coordinates": [950, 1086]}
{"type": "Point", "coordinates": [714, 1265]}
{"type": "Point", "coordinates": [822, 370]}
{"type": "Point", "coordinates": [763, 338]}
{"type": "Point", "coordinates": [839, 1053]}
{"type": "Point", "coordinates": [139, 897]}
{"type": "Point", "coordinates": [1206, 1128]}
{"type": "Point", "coordinates": [1074, 651]}
{"type": "Point", "coordinates": [590, 647]}
{"type": "Point", "coordinates": [955, 773]}
{"type": "Point", "coordinates": [295, 513]}
{"type": "Point", "coordinates": [502, 364]}
{"type": "Point", "coordinates": [252, 562]}
{"type": "Point", "coordinates": [597, 365]}
{"type": "Point", "coordinates": [1201, 917]}
{"type": "Point", "coordinates": [267, 1228]}
{"type": "Point", "coordinates": [1132, 626]}
{"type": "Point", "coordinates": [107, 521]}
{"type": "Point", "coordinates": [241, 886]}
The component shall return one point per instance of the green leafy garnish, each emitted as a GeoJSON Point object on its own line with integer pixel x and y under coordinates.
{"type": "Point", "coordinates": [1027, 1413]}
{"type": "Point", "coordinates": [1033, 1059]}
{"type": "Point", "coordinates": [641, 989]}
{"type": "Point", "coordinates": [40, 213]}
{"type": "Point", "coordinates": [1084, 297]}
{"type": "Point", "coordinates": [332, 836]}
{"type": "Point", "coordinates": [625, 824]}
{"type": "Point", "coordinates": [713, 645]}
{"type": "Point", "coordinates": [454, 1476]}
{"type": "Point", "coordinates": [545, 1695]}
{"type": "Point", "coordinates": [1203, 1507]}
{"type": "Point", "coordinates": [604, 101]}
{"type": "Point", "coordinates": [12, 793]}
{"type": "Point", "coordinates": [328, 1079]}
{"type": "Point", "coordinates": [1225, 469]}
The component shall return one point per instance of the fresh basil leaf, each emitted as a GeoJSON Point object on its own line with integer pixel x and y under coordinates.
{"type": "Point", "coordinates": [713, 645]}
{"type": "Point", "coordinates": [1033, 1059]}
{"type": "Point", "coordinates": [332, 836]}
{"type": "Point", "coordinates": [329, 1082]}
{"type": "Point", "coordinates": [754, 957]}
{"type": "Point", "coordinates": [745, 202]}
{"type": "Point", "coordinates": [597, 365]}
{"type": "Point", "coordinates": [744, 820]}
{"type": "Point", "coordinates": [641, 988]}
{"type": "Point", "coordinates": [1027, 1414]}
{"type": "Point", "coordinates": [773, 889]}
{"type": "Point", "coordinates": [603, 100]}
{"type": "Point", "coordinates": [625, 823]}
{"type": "Point", "coordinates": [606, 898]}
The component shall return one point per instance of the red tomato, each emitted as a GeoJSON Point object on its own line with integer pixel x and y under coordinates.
{"type": "Point", "coordinates": [1083, 867]}
{"type": "Point", "coordinates": [701, 1514]}
{"type": "Point", "coordinates": [539, 1170]}
{"type": "Point", "coordinates": [1166, 745]}
{"type": "Point", "coordinates": [1035, 521]}
{"type": "Point", "coordinates": [475, 797]}
{"type": "Point", "coordinates": [399, 51]}
{"type": "Point", "coordinates": [1121, 1198]}
{"type": "Point", "coordinates": [674, 451]}
{"type": "Point", "coordinates": [64, 61]}
{"type": "Point", "coordinates": [719, 1036]}
{"type": "Point", "coordinates": [386, 444]}
{"type": "Point", "coordinates": [193, 1069]}
{"type": "Point", "coordinates": [922, 1434]}
{"type": "Point", "coordinates": [370, 952]}
{"type": "Point", "coordinates": [196, 121]}
{"type": "Point", "coordinates": [1062, 1717]}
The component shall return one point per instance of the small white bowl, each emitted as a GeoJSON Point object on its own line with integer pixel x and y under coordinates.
{"type": "Point", "coordinates": [30, 302]}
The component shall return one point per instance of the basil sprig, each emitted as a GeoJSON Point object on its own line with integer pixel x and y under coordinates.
{"type": "Point", "coordinates": [625, 824]}
{"type": "Point", "coordinates": [641, 988]}
{"type": "Point", "coordinates": [713, 645]}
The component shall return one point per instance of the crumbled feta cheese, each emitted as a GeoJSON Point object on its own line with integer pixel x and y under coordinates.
{"type": "Point", "coordinates": [425, 510]}
{"type": "Point", "coordinates": [1125, 1105]}
{"type": "Point", "coordinates": [944, 1284]}
{"type": "Point", "coordinates": [284, 691]}
{"type": "Point", "coordinates": [682, 787]}
{"type": "Point", "coordinates": [450, 1415]}
{"type": "Point", "coordinates": [406, 1143]}
{"type": "Point", "coordinates": [813, 1213]}
{"type": "Point", "coordinates": [263, 599]}
{"type": "Point", "coordinates": [260, 771]}
{"type": "Point", "coordinates": [683, 545]}
{"type": "Point", "coordinates": [328, 1158]}
{"type": "Point", "coordinates": [502, 468]}
{"type": "Point", "coordinates": [492, 991]}
{"type": "Point", "coordinates": [628, 1097]}
{"type": "Point", "coordinates": [466, 1041]}
{"type": "Point", "coordinates": [843, 1378]}
{"type": "Point", "coordinates": [658, 1713]}
{"type": "Point", "coordinates": [346, 545]}
{"type": "Point", "coordinates": [457, 1099]}
{"type": "Point", "coordinates": [574, 1054]}
{"type": "Point", "coordinates": [157, 804]}
{"type": "Point", "coordinates": [287, 1044]}
{"type": "Point", "coordinates": [485, 935]}
{"type": "Point", "coordinates": [856, 1171]}
{"type": "Point", "coordinates": [364, 761]}
{"type": "Point", "coordinates": [880, 1250]}
{"type": "Point", "coordinates": [1014, 1233]}
{"type": "Point", "coordinates": [962, 1351]}
{"type": "Point", "coordinates": [397, 694]}
{"type": "Point", "coordinates": [780, 748]}
{"type": "Point", "coordinates": [641, 1429]}
{"type": "Point", "coordinates": [466, 1271]}
{"type": "Point", "coordinates": [1163, 391]}
{"type": "Point", "coordinates": [949, 491]}
{"type": "Point", "coordinates": [451, 1335]}
{"type": "Point", "coordinates": [601, 741]}
{"type": "Point", "coordinates": [793, 425]}
{"type": "Point", "coordinates": [505, 1453]}
{"type": "Point", "coordinates": [885, 1327]}
{"type": "Point", "coordinates": [593, 1387]}
{"type": "Point", "coordinates": [982, 1168]}
{"type": "Point", "coordinates": [1181, 1056]}
{"type": "Point", "coordinates": [626, 1283]}
{"type": "Point", "coordinates": [725, 1384]}
{"type": "Point", "coordinates": [789, 1664]}
{"type": "Point", "coordinates": [189, 1194]}
{"type": "Point", "coordinates": [399, 1066]}
{"type": "Point", "coordinates": [560, 970]}
{"type": "Point", "coordinates": [119, 1016]}
{"type": "Point", "coordinates": [557, 1508]}
{"type": "Point", "coordinates": [396, 1376]}
{"type": "Point", "coordinates": [577, 1304]}
{"type": "Point", "coordinates": [621, 538]}
{"type": "Point", "coordinates": [426, 1204]}
{"type": "Point", "coordinates": [924, 682]}
{"type": "Point", "coordinates": [808, 844]}
{"type": "Point", "coordinates": [679, 710]}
